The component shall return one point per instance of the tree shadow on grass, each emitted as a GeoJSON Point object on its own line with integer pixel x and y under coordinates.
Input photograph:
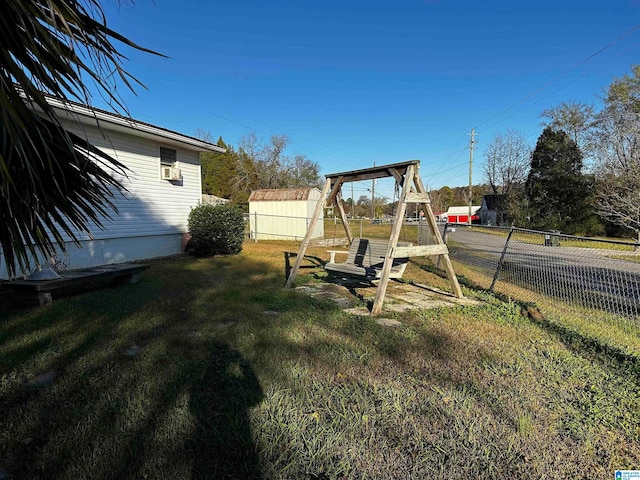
{"type": "Point", "coordinates": [178, 409]}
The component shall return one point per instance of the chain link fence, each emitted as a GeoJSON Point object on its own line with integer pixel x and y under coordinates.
{"type": "Point", "coordinates": [566, 275]}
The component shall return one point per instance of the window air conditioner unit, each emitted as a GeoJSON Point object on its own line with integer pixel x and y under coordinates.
{"type": "Point", "coordinates": [170, 173]}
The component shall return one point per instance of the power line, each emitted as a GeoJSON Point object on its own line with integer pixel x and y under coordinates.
{"type": "Point", "coordinates": [565, 73]}
{"type": "Point", "coordinates": [558, 89]}
{"type": "Point", "coordinates": [332, 157]}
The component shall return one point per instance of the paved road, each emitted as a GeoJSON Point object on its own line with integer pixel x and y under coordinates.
{"type": "Point", "coordinates": [582, 276]}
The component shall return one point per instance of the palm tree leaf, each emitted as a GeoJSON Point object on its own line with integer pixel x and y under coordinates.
{"type": "Point", "coordinates": [54, 185]}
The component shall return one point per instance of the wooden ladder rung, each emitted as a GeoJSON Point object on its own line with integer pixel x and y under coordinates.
{"type": "Point", "coordinates": [415, 197]}
{"type": "Point", "coordinates": [419, 251]}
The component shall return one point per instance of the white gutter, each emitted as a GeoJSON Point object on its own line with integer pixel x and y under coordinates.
{"type": "Point", "coordinates": [91, 116]}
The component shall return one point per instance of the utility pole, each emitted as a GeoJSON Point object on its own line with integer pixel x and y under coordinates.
{"type": "Point", "coordinates": [470, 172]}
{"type": "Point", "coordinates": [373, 197]}
{"type": "Point", "coordinates": [353, 203]}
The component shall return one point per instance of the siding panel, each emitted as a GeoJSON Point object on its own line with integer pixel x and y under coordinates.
{"type": "Point", "coordinates": [150, 206]}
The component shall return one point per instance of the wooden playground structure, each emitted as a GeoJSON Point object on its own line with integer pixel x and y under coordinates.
{"type": "Point", "coordinates": [406, 175]}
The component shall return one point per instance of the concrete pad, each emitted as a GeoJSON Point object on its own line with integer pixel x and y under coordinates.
{"type": "Point", "coordinates": [308, 290]}
{"type": "Point", "coordinates": [342, 298]}
{"type": "Point", "coordinates": [388, 322]}
{"type": "Point", "coordinates": [358, 311]}
{"type": "Point", "coordinates": [398, 307]}
{"type": "Point", "coordinates": [411, 297]}
{"type": "Point", "coordinates": [342, 302]}
{"type": "Point", "coordinates": [400, 297]}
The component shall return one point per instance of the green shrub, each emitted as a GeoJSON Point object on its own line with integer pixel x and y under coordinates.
{"type": "Point", "coordinates": [215, 230]}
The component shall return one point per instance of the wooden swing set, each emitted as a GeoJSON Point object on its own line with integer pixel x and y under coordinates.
{"type": "Point", "coordinates": [394, 256]}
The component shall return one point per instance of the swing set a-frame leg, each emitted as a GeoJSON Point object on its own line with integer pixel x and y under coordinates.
{"type": "Point", "coordinates": [393, 242]}
{"type": "Point", "coordinates": [310, 229]}
{"type": "Point", "coordinates": [431, 219]}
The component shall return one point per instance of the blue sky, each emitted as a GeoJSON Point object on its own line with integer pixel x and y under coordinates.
{"type": "Point", "coordinates": [353, 82]}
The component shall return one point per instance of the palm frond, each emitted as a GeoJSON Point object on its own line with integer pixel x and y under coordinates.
{"type": "Point", "coordinates": [53, 183]}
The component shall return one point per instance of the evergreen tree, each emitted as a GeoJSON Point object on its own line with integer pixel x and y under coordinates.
{"type": "Point", "coordinates": [219, 171]}
{"type": "Point", "coordinates": [557, 191]}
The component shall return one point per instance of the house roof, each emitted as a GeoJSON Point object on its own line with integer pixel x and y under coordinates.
{"type": "Point", "coordinates": [78, 112]}
{"type": "Point", "coordinates": [280, 194]}
{"type": "Point", "coordinates": [495, 202]}
{"type": "Point", "coordinates": [463, 210]}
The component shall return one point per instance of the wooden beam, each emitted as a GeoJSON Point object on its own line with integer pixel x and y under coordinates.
{"type": "Point", "coordinates": [419, 251]}
{"type": "Point", "coordinates": [343, 217]}
{"type": "Point", "coordinates": [431, 219]}
{"type": "Point", "coordinates": [415, 197]}
{"type": "Point", "coordinates": [393, 242]}
{"type": "Point", "coordinates": [335, 190]}
{"type": "Point", "coordinates": [380, 171]}
{"type": "Point", "coordinates": [307, 237]}
{"type": "Point", "coordinates": [397, 175]}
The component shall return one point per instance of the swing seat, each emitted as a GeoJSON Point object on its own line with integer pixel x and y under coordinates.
{"type": "Point", "coordinates": [365, 258]}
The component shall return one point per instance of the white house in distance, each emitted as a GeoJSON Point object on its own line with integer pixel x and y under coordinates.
{"type": "Point", "coordinates": [460, 214]}
{"type": "Point", "coordinates": [283, 214]}
{"type": "Point", "coordinates": [163, 184]}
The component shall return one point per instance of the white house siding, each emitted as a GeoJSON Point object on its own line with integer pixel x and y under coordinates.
{"type": "Point", "coordinates": [152, 215]}
{"type": "Point", "coordinates": [284, 219]}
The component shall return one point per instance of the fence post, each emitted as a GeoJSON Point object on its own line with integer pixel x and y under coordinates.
{"type": "Point", "coordinates": [255, 228]}
{"type": "Point", "coordinates": [361, 228]}
{"type": "Point", "coordinates": [501, 261]}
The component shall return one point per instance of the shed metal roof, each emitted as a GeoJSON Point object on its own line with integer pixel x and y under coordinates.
{"type": "Point", "coordinates": [280, 194]}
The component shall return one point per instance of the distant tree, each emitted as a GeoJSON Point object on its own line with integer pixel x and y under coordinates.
{"type": "Point", "coordinates": [381, 207]}
{"type": "Point", "coordinates": [218, 170]}
{"type": "Point", "coordinates": [461, 195]}
{"type": "Point", "coordinates": [557, 192]}
{"type": "Point", "coordinates": [53, 183]}
{"type": "Point", "coordinates": [507, 161]}
{"type": "Point", "coordinates": [349, 205]}
{"type": "Point", "coordinates": [302, 172]}
{"type": "Point", "coordinates": [447, 195]}
{"type": "Point", "coordinates": [271, 167]}
{"type": "Point", "coordinates": [363, 206]}
{"type": "Point", "coordinates": [254, 165]}
{"type": "Point", "coordinates": [272, 163]}
{"type": "Point", "coordinates": [617, 197]}
{"type": "Point", "coordinates": [577, 120]}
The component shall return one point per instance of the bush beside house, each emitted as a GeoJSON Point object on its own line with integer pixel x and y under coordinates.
{"type": "Point", "coordinates": [215, 230]}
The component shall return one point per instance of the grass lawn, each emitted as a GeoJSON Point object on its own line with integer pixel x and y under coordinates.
{"type": "Point", "coordinates": [225, 387]}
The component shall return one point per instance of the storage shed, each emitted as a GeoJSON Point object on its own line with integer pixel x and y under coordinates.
{"type": "Point", "coordinates": [283, 214]}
